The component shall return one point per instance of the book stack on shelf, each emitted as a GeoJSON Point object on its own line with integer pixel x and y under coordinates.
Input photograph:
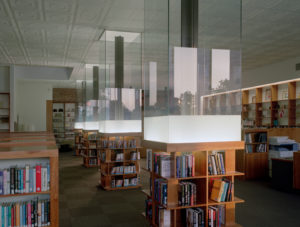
{"type": "Point", "coordinates": [78, 141]}
{"type": "Point", "coordinates": [29, 185]}
{"type": "Point", "coordinates": [119, 161]}
{"type": "Point", "coordinates": [253, 160]}
{"type": "Point", "coordinates": [4, 112]}
{"type": "Point", "coordinates": [89, 150]}
{"type": "Point", "coordinates": [185, 188]}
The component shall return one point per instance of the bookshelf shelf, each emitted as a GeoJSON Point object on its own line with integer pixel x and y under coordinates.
{"type": "Point", "coordinates": [25, 194]}
{"type": "Point", "coordinates": [165, 155]}
{"type": "Point", "coordinates": [117, 159]}
{"type": "Point", "coordinates": [32, 155]}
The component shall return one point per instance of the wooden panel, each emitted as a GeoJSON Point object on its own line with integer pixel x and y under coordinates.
{"type": "Point", "coordinates": [54, 208]}
{"type": "Point", "coordinates": [49, 115]}
{"type": "Point", "coordinates": [258, 95]}
{"type": "Point", "coordinates": [292, 90]}
{"type": "Point", "coordinates": [64, 95]}
{"type": "Point", "coordinates": [230, 161]}
{"type": "Point", "coordinates": [256, 165]}
{"type": "Point", "coordinates": [245, 97]}
{"type": "Point", "coordinates": [297, 170]}
{"type": "Point", "coordinates": [292, 133]}
{"type": "Point", "coordinates": [187, 147]}
{"type": "Point", "coordinates": [45, 142]}
{"type": "Point", "coordinates": [274, 92]}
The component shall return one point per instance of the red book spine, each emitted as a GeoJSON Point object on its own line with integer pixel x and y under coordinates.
{"type": "Point", "coordinates": [24, 180]}
{"type": "Point", "coordinates": [29, 214]}
{"type": "Point", "coordinates": [12, 216]}
{"type": "Point", "coordinates": [38, 178]}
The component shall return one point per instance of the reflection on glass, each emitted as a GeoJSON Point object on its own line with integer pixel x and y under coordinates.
{"type": "Point", "coordinates": [179, 79]}
{"type": "Point", "coordinates": [220, 69]}
{"type": "Point", "coordinates": [120, 110]}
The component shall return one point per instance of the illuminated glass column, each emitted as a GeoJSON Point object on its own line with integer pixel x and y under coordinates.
{"type": "Point", "coordinates": [192, 49]}
{"type": "Point", "coordinates": [120, 82]}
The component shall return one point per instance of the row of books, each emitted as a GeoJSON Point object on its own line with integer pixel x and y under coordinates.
{"type": "Point", "coordinates": [221, 190]}
{"type": "Point", "coordinates": [16, 180]}
{"type": "Point", "coordinates": [187, 192]}
{"type": "Point", "coordinates": [161, 191]}
{"type": "Point", "coordinates": [92, 136]}
{"type": "Point", "coordinates": [149, 159]}
{"type": "Point", "coordinates": [162, 217]}
{"type": "Point", "coordinates": [261, 148]}
{"type": "Point", "coordinates": [162, 164]}
{"type": "Point", "coordinates": [127, 182]}
{"type": "Point", "coordinates": [216, 216]}
{"type": "Point", "coordinates": [123, 169]}
{"type": "Point", "coordinates": [92, 153]}
{"type": "Point", "coordinates": [30, 213]}
{"type": "Point", "coordinates": [195, 217]}
{"type": "Point", "coordinates": [118, 144]}
{"type": "Point", "coordinates": [216, 164]}
{"type": "Point", "coordinates": [185, 166]}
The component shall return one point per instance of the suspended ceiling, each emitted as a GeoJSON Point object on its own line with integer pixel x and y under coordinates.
{"type": "Point", "coordinates": [65, 32]}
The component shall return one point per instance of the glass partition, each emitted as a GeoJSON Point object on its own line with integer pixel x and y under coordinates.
{"type": "Point", "coordinates": [79, 111]}
{"type": "Point", "coordinates": [120, 79]}
{"type": "Point", "coordinates": [188, 62]}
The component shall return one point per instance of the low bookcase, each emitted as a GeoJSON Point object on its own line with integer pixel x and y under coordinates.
{"type": "Point", "coordinates": [89, 148]}
{"type": "Point", "coordinates": [32, 156]}
{"type": "Point", "coordinates": [78, 141]}
{"type": "Point", "coordinates": [165, 203]}
{"type": "Point", "coordinates": [253, 159]}
{"type": "Point", "coordinates": [119, 160]}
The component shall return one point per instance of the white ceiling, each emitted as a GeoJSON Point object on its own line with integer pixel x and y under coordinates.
{"type": "Point", "coordinates": [65, 32]}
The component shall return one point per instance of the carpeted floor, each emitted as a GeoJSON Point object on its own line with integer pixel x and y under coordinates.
{"type": "Point", "coordinates": [83, 204]}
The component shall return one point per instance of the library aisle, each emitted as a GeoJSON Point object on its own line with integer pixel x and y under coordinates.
{"type": "Point", "coordinates": [83, 204]}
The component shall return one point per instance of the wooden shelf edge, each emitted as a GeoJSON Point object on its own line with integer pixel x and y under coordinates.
{"type": "Point", "coordinates": [26, 194]}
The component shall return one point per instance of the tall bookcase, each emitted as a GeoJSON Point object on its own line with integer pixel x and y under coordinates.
{"type": "Point", "coordinates": [202, 179]}
{"type": "Point", "coordinates": [89, 149]}
{"type": "Point", "coordinates": [63, 121]}
{"type": "Point", "coordinates": [19, 156]}
{"type": "Point", "coordinates": [4, 112]}
{"type": "Point", "coordinates": [119, 160]}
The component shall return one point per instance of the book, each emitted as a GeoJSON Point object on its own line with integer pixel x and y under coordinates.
{"type": "Point", "coordinates": [185, 166]}
{"type": "Point", "coordinates": [216, 216]}
{"type": "Point", "coordinates": [221, 190]}
{"type": "Point", "coordinates": [216, 164]}
{"type": "Point", "coordinates": [38, 178]}
{"type": "Point", "coordinates": [161, 191]}
{"type": "Point", "coordinates": [187, 192]}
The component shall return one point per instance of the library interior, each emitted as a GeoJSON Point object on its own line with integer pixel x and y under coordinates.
{"type": "Point", "coordinates": [161, 113]}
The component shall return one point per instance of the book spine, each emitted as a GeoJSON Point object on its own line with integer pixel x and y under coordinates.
{"type": "Point", "coordinates": [12, 180]}
{"type": "Point", "coordinates": [1, 183]}
{"type": "Point", "coordinates": [27, 179]}
{"type": "Point", "coordinates": [38, 178]}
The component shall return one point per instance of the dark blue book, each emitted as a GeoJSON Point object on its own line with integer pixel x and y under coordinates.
{"type": "Point", "coordinates": [1, 183]}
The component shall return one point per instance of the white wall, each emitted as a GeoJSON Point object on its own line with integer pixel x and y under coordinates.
{"type": "Point", "coordinates": [284, 70]}
{"type": "Point", "coordinates": [31, 104]}
{"type": "Point", "coordinates": [4, 79]}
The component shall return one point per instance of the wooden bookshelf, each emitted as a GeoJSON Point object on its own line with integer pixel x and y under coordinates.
{"type": "Point", "coordinates": [89, 148]}
{"type": "Point", "coordinates": [252, 161]}
{"type": "Point", "coordinates": [4, 112]}
{"type": "Point", "coordinates": [9, 153]}
{"type": "Point", "coordinates": [63, 121]}
{"type": "Point", "coordinates": [202, 179]}
{"type": "Point", "coordinates": [115, 151]}
{"type": "Point", "coordinates": [78, 141]}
